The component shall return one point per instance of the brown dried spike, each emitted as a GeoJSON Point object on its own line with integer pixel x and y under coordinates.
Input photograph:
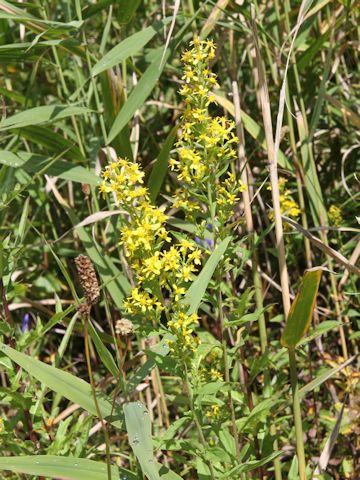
{"type": "Point", "coordinates": [88, 279]}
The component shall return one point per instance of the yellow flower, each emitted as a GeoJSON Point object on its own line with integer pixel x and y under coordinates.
{"type": "Point", "coordinates": [185, 245]}
{"type": "Point", "coordinates": [335, 216]}
{"type": "Point", "coordinates": [152, 266]}
{"type": "Point", "coordinates": [171, 259]}
{"type": "Point", "coordinates": [185, 273]}
{"type": "Point", "coordinates": [213, 412]}
{"type": "Point", "coordinates": [178, 292]}
{"type": "Point", "coordinates": [195, 256]}
{"type": "Point", "coordinates": [215, 374]}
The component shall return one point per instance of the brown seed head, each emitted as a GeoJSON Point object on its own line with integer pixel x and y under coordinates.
{"type": "Point", "coordinates": [124, 327]}
{"type": "Point", "coordinates": [88, 279]}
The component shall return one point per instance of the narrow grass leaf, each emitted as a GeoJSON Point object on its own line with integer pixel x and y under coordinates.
{"type": "Point", "coordinates": [32, 162]}
{"type": "Point", "coordinates": [138, 95]}
{"type": "Point", "coordinates": [195, 293]}
{"type": "Point", "coordinates": [323, 377]}
{"type": "Point", "coordinates": [39, 115]}
{"type": "Point", "coordinates": [127, 48]}
{"type": "Point", "coordinates": [301, 310]}
{"type": "Point", "coordinates": [106, 357]}
{"type": "Point", "coordinates": [74, 389]}
{"type": "Point", "coordinates": [160, 168]}
{"type": "Point", "coordinates": [53, 466]}
{"type": "Point", "coordinates": [126, 10]}
{"type": "Point", "coordinates": [251, 465]}
{"type": "Point", "coordinates": [161, 349]}
{"type": "Point", "coordinates": [53, 141]}
{"type": "Point", "coordinates": [138, 426]}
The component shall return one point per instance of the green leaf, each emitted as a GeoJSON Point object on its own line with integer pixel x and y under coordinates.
{"type": "Point", "coordinates": [103, 352]}
{"type": "Point", "coordinates": [126, 48]}
{"type": "Point", "coordinates": [126, 10]}
{"type": "Point", "coordinates": [53, 141]}
{"type": "Point", "coordinates": [249, 317]}
{"type": "Point", "coordinates": [251, 465]}
{"type": "Point", "coordinates": [138, 426]}
{"type": "Point", "coordinates": [31, 162]}
{"type": "Point", "coordinates": [71, 468]}
{"type": "Point", "coordinates": [194, 295]}
{"type": "Point", "coordinates": [160, 169]}
{"type": "Point", "coordinates": [160, 349]}
{"type": "Point", "coordinates": [139, 94]}
{"type": "Point", "coordinates": [74, 389]}
{"type": "Point", "coordinates": [39, 115]}
{"type": "Point", "coordinates": [323, 377]}
{"type": "Point", "coordinates": [301, 310]}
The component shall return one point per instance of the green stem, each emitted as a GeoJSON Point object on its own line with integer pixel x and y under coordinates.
{"type": "Point", "coordinates": [197, 423]}
{"type": "Point", "coordinates": [93, 390]}
{"type": "Point", "coordinates": [227, 372]}
{"type": "Point", "coordinates": [297, 415]}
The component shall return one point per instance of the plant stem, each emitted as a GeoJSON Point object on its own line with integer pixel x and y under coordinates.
{"type": "Point", "coordinates": [196, 420]}
{"type": "Point", "coordinates": [227, 372]}
{"type": "Point", "coordinates": [255, 259]}
{"type": "Point", "coordinates": [93, 389]}
{"type": "Point", "coordinates": [297, 415]}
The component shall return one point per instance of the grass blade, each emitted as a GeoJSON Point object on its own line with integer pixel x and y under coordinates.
{"type": "Point", "coordinates": [138, 95]}
{"type": "Point", "coordinates": [126, 48]}
{"type": "Point", "coordinates": [138, 426]}
{"type": "Point", "coordinates": [74, 389]}
{"type": "Point", "coordinates": [71, 468]}
{"type": "Point", "coordinates": [39, 115]}
{"type": "Point", "coordinates": [198, 288]}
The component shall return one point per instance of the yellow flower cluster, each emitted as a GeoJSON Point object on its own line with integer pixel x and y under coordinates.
{"type": "Point", "coordinates": [213, 412]}
{"type": "Point", "coordinates": [205, 147]}
{"type": "Point", "coordinates": [160, 269]}
{"type": "Point", "coordinates": [335, 215]}
{"type": "Point", "coordinates": [288, 205]}
{"type": "Point", "coordinates": [182, 326]}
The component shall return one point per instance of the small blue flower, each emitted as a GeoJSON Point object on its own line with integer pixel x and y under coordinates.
{"type": "Point", "coordinates": [210, 242]}
{"type": "Point", "coordinates": [25, 323]}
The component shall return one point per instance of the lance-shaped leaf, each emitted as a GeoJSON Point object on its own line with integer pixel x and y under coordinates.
{"type": "Point", "coordinates": [128, 47]}
{"type": "Point", "coordinates": [71, 468]}
{"type": "Point", "coordinates": [138, 426]}
{"type": "Point", "coordinates": [301, 309]}
{"type": "Point", "coordinates": [198, 288]}
{"type": "Point", "coordinates": [74, 389]}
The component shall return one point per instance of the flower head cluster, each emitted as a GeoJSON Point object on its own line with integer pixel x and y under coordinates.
{"type": "Point", "coordinates": [288, 206]}
{"type": "Point", "coordinates": [335, 215]}
{"type": "Point", "coordinates": [162, 270]}
{"type": "Point", "coordinates": [205, 147]}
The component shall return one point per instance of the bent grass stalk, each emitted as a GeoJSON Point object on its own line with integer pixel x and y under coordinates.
{"type": "Point", "coordinates": [255, 260]}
